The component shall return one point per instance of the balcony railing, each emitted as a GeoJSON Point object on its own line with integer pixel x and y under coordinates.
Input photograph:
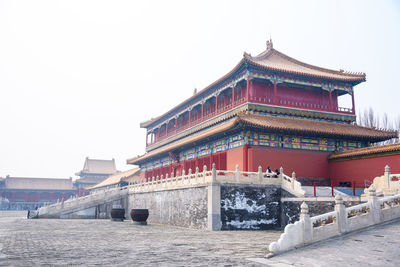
{"type": "Point", "coordinates": [260, 100]}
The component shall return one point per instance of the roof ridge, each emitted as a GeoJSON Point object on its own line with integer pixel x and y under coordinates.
{"type": "Point", "coordinates": [268, 52]}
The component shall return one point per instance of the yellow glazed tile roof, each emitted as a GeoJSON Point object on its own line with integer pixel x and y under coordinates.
{"type": "Point", "coordinates": [366, 151]}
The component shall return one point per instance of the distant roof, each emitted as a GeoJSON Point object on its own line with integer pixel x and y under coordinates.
{"type": "Point", "coordinates": [279, 124]}
{"type": "Point", "coordinates": [98, 166]}
{"type": "Point", "coordinates": [117, 178]}
{"type": "Point", "coordinates": [90, 180]}
{"type": "Point", "coordinates": [367, 151]}
{"type": "Point", "coordinates": [272, 59]}
{"type": "Point", "coordinates": [38, 183]}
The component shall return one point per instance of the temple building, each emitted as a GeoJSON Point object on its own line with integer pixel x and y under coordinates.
{"type": "Point", "coordinates": [94, 171]}
{"type": "Point", "coordinates": [269, 110]}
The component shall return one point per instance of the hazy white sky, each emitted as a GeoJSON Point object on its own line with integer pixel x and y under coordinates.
{"type": "Point", "coordinates": [77, 77]}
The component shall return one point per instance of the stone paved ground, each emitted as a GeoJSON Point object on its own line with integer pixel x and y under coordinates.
{"type": "Point", "coordinates": [47, 242]}
{"type": "Point", "coordinates": [376, 246]}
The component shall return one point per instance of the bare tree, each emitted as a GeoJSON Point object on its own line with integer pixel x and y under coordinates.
{"type": "Point", "coordinates": [369, 118]}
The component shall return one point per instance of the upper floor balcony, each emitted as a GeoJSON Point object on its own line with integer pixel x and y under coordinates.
{"type": "Point", "coordinates": [232, 98]}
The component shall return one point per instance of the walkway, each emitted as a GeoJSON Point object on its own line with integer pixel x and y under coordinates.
{"type": "Point", "coordinates": [375, 246]}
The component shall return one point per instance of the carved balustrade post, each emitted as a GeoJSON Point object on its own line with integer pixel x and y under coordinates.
{"type": "Point", "coordinates": [341, 218]}
{"type": "Point", "coordinates": [307, 225]}
{"type": "Point", "coordinates": [196, 174]}
{"type": "Point", "coordinates": [387, 176]}
{"type": "Point", "coordinates": [293, 179]}
{"type": "Point", "coordinates": [260, 174]}
{"type": "Point", "coordinates": [375, 206]}
{"type": "Point", "coordinates": [189, 175]}
{"type": "Point", "coordinates": [237, 173]}
{"type": "Point", "coordinates": [214, 173]}
{"type": "Point", "coordinates": [204, 173]}
{"type": "Point", "coordinates": [183, 177]}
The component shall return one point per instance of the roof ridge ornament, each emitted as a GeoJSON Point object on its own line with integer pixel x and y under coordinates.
{"type": "Point", "coordinates": [269, 44]}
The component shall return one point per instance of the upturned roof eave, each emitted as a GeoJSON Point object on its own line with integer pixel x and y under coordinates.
{"type": "Point", "coordinates": [347, 76]}
{"type": "Point", "coordinates": [354, 79]}
{"type": "Point", "coordinates": [186, 140]}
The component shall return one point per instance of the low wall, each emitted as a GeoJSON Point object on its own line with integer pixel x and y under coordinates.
{"type": "Point", "coordinates": [185, 207]}
{"type": "Point", "coordinates": [342, 220]}
{"type": "Point", "coordinates": [290, 207]}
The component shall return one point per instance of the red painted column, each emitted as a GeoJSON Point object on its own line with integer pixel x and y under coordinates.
{"type": "Point", "coordinates": [330, 99]}
{"type": "Point", "coordinates": [216, 104]}
{"type": "Point", "coordinates": [190, 116]}
{"type": "Point", "coordinates": [248, 90]}
{"type": "Point", "coordinates": [352, 102]}
{"type": "Point", "coordinates": [246, 158]}
{"type": "Point", "coordinates": [202, 111]}
{"type": "Point", "coordinates": [233, 96]}
{"type": "Point", "coordinates": [275, 93]}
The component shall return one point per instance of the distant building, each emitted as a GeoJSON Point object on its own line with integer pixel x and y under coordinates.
{"type": "Point", "coordinates": [28, 193]}
{"type": "Point", "coordinates": [119, 179]}
{"type": "Point", "coordinates": [94, 171]}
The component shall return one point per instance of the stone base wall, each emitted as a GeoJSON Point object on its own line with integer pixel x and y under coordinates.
{"type": "Point", "coordinates": [250, 207]}
{"type": "Point", "coordinates": [186, 207]}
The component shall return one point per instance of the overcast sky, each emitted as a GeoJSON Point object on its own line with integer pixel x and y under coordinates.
{"type": "Point", "coordinates": [77, 77]}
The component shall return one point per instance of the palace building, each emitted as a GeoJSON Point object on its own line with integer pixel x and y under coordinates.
{"type": "Point", "coordinates": [94, 171]}
{"type": "Point", "coordinates": [28, 193]}
{"type": "Point", "coordinates": [269, 110]}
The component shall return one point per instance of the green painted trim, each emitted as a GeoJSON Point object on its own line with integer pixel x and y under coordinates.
{"type": "Point", "coordinates": [302, 112]}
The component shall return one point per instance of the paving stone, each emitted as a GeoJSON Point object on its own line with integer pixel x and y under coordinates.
{"type": "Point", "coordinates": [49, 242]}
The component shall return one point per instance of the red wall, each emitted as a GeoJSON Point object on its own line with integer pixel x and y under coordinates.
{"type": "Point", "coordinates": [234, 156]}
{"type": "Point", "coordinates": [310, 164]}
{"type": "Point", "coordinates": [285, 93]}
{"type": "Point", "coordinates": [358, 170]}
